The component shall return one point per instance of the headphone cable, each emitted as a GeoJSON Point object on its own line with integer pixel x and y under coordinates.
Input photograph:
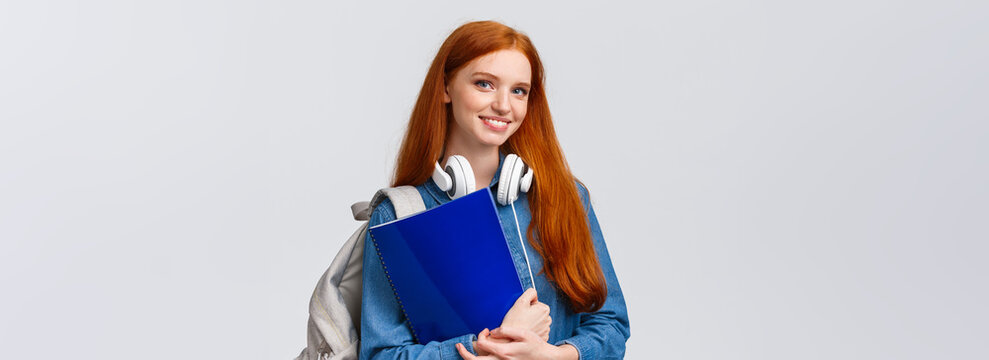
{"type": "Point", "coordinates": [524, 252]}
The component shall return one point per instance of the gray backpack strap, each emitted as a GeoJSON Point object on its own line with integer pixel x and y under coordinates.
{"type": "Point", "coordinates": [406, 200]}
{"type": "Point", "coordinates": [361, 210]}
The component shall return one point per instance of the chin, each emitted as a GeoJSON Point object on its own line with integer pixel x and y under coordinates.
{"type": "Point", "coordinates": [492, 139]}
{"type": "Point", "coordinates": [494, 142]}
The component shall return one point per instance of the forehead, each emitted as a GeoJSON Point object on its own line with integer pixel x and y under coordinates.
{"type": "Point", "coordinates": [508, 65]}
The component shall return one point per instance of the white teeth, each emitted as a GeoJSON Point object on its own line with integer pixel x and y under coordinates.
{"type": "Point", "coordinates": [495, 122]}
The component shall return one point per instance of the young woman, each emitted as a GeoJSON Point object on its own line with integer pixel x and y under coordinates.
{"type": "Point", "coordinates": [484, 98]}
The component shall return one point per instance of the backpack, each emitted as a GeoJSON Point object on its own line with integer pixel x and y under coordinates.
{"type": "Point", "coordinates": [335, 306]}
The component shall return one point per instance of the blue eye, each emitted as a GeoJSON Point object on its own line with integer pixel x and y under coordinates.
{"type": "Point", "coordinates": [479, 82]}
{"type": "Point", "coordinates": [522, 91]}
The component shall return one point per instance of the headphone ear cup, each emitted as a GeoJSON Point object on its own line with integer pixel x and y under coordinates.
{"type": "Point", "coordinates": [442, 179]}
{"type": "Point", "coordinates": [527, 179]}
{"type": "Point", "coordinates": [513, 183]}
{"type": "Point", "coordinates": [502, 194]}
{"type": "Point", "coordinates": [463, 176]}
{"type": "Point", "coordinates": [508, 182]}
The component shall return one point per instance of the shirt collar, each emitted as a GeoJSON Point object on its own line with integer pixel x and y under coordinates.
{"type": "Point", "coordinates": [441, 197]}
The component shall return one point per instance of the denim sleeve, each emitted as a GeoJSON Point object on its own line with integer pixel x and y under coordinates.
{"type": "Point", "coordinates": [601, 334]}
{"type": "Point", "coordinates": [385, 333]}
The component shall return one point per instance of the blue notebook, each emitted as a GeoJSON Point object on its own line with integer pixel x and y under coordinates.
{"type": "Point", "coordinates": [450, 267]}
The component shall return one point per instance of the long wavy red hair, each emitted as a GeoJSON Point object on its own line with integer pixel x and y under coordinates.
{"type": "Point", "coordinates": [559, 230]}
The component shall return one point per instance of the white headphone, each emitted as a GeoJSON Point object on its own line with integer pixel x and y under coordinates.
{"type": "Point", "coordinates": [457, 178]}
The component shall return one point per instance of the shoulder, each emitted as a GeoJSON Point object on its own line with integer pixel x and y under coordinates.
{"type": "Point", "coordinates": [385, 210]}
{"type": "Point", "coordinates": [581, 188]}
{"type": "Point", "coordinates": [585, 195]}
{"type": "Point", "coordinates": [382, 213]}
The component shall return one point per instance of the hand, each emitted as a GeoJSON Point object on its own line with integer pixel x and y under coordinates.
{"type": "Point", "coordinates": [529, 313]}
{"type": "Point", "coordinates": [524, 344]}
{"type": "Point", "coordinates": [481, 354]}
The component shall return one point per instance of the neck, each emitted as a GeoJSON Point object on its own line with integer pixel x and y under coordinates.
{"type": "Point", "coordinates": [483, 160]}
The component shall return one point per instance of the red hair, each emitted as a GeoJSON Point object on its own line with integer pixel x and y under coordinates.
{"type": "Point", "coordinates": [559, 230]}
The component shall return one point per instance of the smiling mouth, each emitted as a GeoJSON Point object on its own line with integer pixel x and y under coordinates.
{"type": "Point", "coordinates": [498, 124]}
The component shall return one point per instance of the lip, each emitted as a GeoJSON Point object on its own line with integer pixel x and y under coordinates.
{"type": "Point", "coordinates": [492, 127]}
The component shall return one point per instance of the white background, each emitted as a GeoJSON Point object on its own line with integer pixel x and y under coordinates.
{"type": "Point", "coordinates": [774, 180]}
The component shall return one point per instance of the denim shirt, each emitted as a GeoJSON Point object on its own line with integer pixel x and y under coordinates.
{"type": "Point", "coordinates": [385, 332]}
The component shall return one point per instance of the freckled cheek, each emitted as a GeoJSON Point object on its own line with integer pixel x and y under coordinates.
{"type": "Point", "coordinates": [478, 104]}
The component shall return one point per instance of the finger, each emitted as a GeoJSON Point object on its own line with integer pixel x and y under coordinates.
{"type": "Point", "coordinates": [488, 336]}
{"type": "Point", "coordinates": [515, 334]}
{"type": "Point", "coordinates": [497, 339]}
{"type": "Point", "coordinates": [542, 307]}
{"type": "Point", "coordinates": [527, 297]}
{"type": "Point", "coordinates": [499, 350]}
{"type": "Point", "coordinates": [464, 353]}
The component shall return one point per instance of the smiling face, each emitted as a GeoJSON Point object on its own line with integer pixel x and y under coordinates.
{"type": "Point", "coordinates": [489, 98]}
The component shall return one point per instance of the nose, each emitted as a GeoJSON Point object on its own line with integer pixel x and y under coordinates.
{"type": "Point", "coordinates": [500, 103]}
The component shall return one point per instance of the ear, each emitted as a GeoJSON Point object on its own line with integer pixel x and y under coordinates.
{"type": "Point", "coordinates": [446, 94]}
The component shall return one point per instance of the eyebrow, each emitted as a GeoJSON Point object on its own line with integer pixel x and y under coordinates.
{"type": "Point", "coordinates": [496, 78]}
